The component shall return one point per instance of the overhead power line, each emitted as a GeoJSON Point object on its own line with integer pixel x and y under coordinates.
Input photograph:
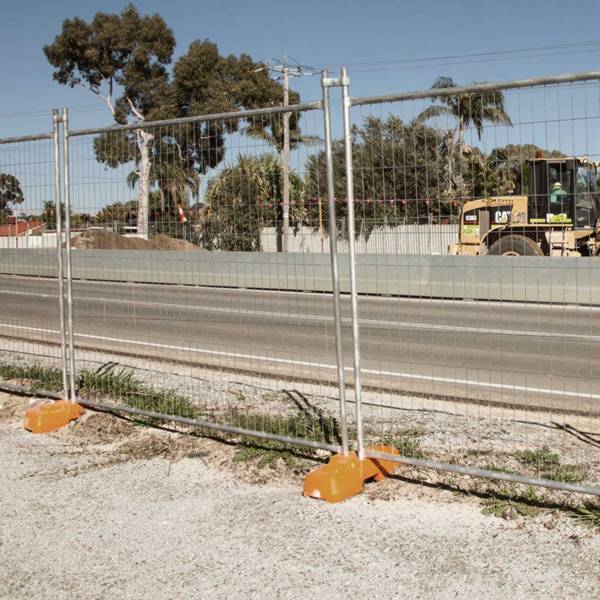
{"type": "Point", "coordinates": [582, 46]}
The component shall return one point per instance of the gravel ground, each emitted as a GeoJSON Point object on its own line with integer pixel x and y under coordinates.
{"type": "Point", "coordinates": [87, 513]}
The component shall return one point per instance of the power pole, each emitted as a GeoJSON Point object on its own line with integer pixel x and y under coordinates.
{"type": "Point", "coordinates": [285, 160]}
{"type": "Point", "coordinates": [286, 71]}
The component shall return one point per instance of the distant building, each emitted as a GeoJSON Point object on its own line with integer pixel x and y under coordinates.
{"type": "Point", "coordinates": [23, 228]}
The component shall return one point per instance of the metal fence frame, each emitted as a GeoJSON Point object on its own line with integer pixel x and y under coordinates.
{"type": "Point", "coordinates": [63, 275]}
{"type": "Point", "coordinates": [348, 102]}
{"type": "Point", "coordinates": [321, 105]}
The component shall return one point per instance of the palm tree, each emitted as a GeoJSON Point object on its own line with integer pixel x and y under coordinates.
{"type": "Point", "coordinates": [243, 199]}
{"type": "Point", "coordinates": [469, 109]}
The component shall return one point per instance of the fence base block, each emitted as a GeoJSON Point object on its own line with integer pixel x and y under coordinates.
{"type": "Point", "coordinates": [344, 476]}
{"type": "Point", "coordinates": [49, 417]}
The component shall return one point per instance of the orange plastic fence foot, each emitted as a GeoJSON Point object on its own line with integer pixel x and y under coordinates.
{"type": "Point", "coordinates": [339, 479]}
{"type": "Point", "coordinates": [344, 476]}
{"type": "Point", "coordinates": [48, 417]}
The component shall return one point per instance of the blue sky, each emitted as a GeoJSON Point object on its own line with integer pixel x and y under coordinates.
{"type": "Point", "coordinates": [315, 33]}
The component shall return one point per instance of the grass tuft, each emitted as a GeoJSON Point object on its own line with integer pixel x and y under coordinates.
{"type": "Point", "coordinates": [588, 514]}
{"type": "Point", "coordinates": [301, 425]}
{"type": "Point", "coordinates": [122, 385]}
{"type": "Point", "coordinates": [407, 442]}
{"type": "Point", "coordinates": [40, 377]}
{"type": "Point", "coordinates": [506, 508]}
{"type": "Point", "coordinates": [268, 454]}
{"type": "Point", "coordinates": [548, 464]}
{"type": "Point", "coordinates": [541, 457]}
{"type": "Point", "coordinates": [567, 473]}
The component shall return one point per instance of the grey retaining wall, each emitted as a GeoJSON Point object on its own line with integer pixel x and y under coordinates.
{"type": "Point", "coordinates": [532, 279]}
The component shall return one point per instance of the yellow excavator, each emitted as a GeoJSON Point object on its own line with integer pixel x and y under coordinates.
{"type": "Point", "coordinates": [555, 211]}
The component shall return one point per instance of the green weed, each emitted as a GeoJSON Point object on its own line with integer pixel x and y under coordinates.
{"type": "Point", "coordinates": [588, 514]}
{"type": "Point", "coordinates": [506, 508]}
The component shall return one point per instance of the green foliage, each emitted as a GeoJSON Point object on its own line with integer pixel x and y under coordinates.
{"type": "Point", "coordinates": [244, 198]}
{"type": "Point", "coordinates": [468, 109]}
{"type": "Point", "coordinates": [566, 473]}
{"type": "Point", "coordinates": [302, 425]}
{"type": "Point", "coordinates": [548, 465]}
{"type": "Point", "coordinates": [464, 166]}
{"type": "Point", "coordinates": [117, 213]}
{"type": "Point", "coordinates": [120, 384]}
{"type": "Point", "coordinates": [312, 425]}
{"type": "Point", "coordinates": [10, 193]}
{"type": "Point", "coordinates": [506, 508]}
{"type": "Point", "coordinates": [126, 58]}
{"type": "Point", "coordinates": [127, 54]}
{"type": "Point", "coordinates": [41, 377]}
{"type": "Point", "coordinates": [588, 514]}
{"type": "Point", "coordinates": [269, 454]}
{"type": "Point", "coordinates": [539, 458]}
{"type": "Point", "coordinates": [407, 442]}
{"type": "Point", "coordinates": [396, 175]}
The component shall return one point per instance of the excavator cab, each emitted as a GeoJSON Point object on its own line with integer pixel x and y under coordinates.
{"type": "Point", "coordinates": [562, 191]}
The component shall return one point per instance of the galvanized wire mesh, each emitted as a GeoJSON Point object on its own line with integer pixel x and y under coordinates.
{"type": "Point", "coordinates": [193, 301]}
{"type": "Point", "coordinates": [28, 260]}
{"type": "Point", "coordinates": [482, 361]}
{"type": "Point", "coordinates": [183, 311]}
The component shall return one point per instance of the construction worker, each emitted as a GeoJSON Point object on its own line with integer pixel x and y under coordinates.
{"type": "Point", "coordinates": [559, 204]}
{"type": "Point", "coordinates": [557, 195]}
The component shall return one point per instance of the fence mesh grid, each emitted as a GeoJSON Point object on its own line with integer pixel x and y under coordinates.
{"type": "Point", "coordinates": [229, 344]}
{"type": "Point", "coordinates": [28, 261]}
{"type": "Point", "coordinates": [486, 362]}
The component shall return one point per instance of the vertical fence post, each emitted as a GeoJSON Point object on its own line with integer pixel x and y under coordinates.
{"type": "Point", "coordinates": [67, 187]}
{"type": "Point", "coordinates": [345, 83]}
{"type": "Point", "coordinates": [334, 262]}
{"type": "Point", "coordinates": [59, 251]}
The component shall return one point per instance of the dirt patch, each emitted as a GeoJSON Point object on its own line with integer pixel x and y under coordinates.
{"type": "Point", "coordinates": [106, 240]}
{"type": "Point", "coordinates": [12, 408]}
{"type": "Point", "coordinates": [118, 440]}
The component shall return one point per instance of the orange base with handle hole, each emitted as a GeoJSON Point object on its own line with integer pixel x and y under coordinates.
{"type": "Point", "coordinates": [344, 476]}
{"type": "Point", "coordinates": [49, 417]}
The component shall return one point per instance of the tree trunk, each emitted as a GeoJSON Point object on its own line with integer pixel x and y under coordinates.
{"type": "Point", "coordinates": [144, 141]}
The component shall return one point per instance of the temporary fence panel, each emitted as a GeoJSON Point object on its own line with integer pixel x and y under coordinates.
{"type": "Point", "coordinates": [147, 197]}
{"type": "Point", "coordinates": [34, 339]}
{"type": "Point", "coordinates": [495, 388]}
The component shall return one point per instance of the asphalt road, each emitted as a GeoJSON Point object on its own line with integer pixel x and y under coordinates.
{"type": "Point", "coordinates": [522, 354]}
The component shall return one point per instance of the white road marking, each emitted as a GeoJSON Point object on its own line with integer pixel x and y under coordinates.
{"type": "Point", "coordinates": [323, 318]}
{"type": "Point", "coordinates": [288, 361]}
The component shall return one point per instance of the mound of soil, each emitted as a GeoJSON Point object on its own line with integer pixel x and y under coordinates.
{"type": "Point", "coordinates": [106, 240]}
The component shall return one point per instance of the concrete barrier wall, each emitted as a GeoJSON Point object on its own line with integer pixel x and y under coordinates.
{"type": "Point", "coordinates": [532, 279]}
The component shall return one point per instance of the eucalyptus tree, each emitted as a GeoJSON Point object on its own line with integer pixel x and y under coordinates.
{"type": "Point", "coordinates": [126, 59]}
